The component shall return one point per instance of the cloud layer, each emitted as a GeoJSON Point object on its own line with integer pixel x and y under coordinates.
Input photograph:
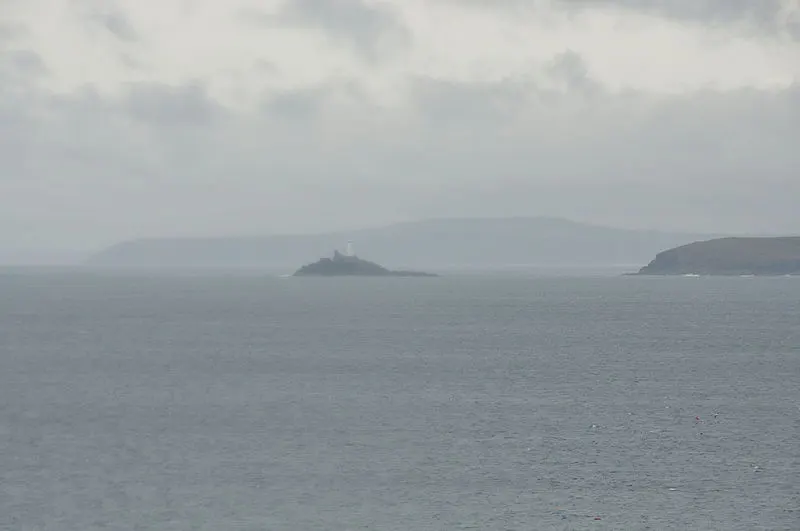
{"type": "Point", "coordinates": [127, 119]}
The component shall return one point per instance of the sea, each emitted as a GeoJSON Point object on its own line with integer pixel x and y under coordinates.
{"type": "Point", "coordinates": [526, 401]}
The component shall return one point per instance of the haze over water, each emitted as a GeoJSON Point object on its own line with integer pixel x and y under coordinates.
{"type": "Point", "coordinates": [480, 402]}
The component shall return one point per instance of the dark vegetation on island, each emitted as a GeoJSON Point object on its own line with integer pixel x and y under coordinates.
{"type": "Point", "coordinates": [730, 257]}
{"type": "Point", "coordinates": [343, 265]}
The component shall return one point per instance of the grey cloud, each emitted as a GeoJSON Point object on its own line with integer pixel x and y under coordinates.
{"type": "Point", "coordinates": [10, 32]}
{"type": "Point", "coordinates": [19, 70]}
{"type": "Point", "coordinates": [110, 17]}
{"type": "Point", "coordinates": [130, 62]}
{"type": "Point", "coordinates": [373, 30]}
{"type": "Point", "coordinates": [692, 161]}
{"type": "Point", "coordinates": [570, 68]}
{"type": "Point", "coordinates": [695, 9]}
{"type": "Point", "coordinates": [23, 62]}
{"type": "Point", "coordinates": [268, 68]}
{"type": "Point", "coordinates": [446, 102]}
{"type": "Point", "coordinates": [75, 125]}
{"type": "Point", "coordinates": [6, 33]}
{"type": "Point", "coordinates": [769, 16]}
{"type": "Point", "coordinates": [164, 105]}
{"type": "Point", "coordinates": [298, 105]}
{"type": "Point", "coordinates": [707, 161]}
{"type": "Point", "coordinates": [118, 25]}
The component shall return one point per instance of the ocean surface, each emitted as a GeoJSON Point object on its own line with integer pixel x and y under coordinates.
{"type": "Point", "coordinates": [486, 402]}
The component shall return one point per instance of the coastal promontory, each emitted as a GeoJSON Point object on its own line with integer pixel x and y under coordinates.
{"type": "Point", "coordinates": [350, 265]}
{"type": "Point", "coordinates": [730, 257]}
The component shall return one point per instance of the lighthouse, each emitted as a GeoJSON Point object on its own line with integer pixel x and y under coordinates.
{"type": "Point", "coordinates": [349, 251]}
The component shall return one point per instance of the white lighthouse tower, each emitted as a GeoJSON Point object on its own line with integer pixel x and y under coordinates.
{"type": "Point", "coordinates": [349, 251]}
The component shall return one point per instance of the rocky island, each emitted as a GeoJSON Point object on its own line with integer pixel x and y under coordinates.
{"type": "Point", "coordinates": [730, 257]}
{"type": "Point", "coordinates": [351, 265]}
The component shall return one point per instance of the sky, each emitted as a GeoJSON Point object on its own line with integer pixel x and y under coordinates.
{"type": "Point", "coordinates": [124, 119]}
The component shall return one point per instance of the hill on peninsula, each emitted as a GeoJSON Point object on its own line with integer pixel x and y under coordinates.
{"type": "Point", "coordinates": [436, 243]}
{"type": "Point", "coordinates": [730, 256]}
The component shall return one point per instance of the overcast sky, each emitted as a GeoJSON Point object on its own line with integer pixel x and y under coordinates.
{"type": "Point", "coordinates": [133, 118]}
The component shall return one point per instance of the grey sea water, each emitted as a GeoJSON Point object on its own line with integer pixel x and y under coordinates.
{"type": "Point", "coordinates": [214, 402]}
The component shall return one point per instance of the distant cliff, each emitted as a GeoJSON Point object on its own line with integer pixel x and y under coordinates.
{"type": "Point", "coordinates": [341, 265]}
{"type": "Point", "coordinates": [730, 256]}
{"type": "Point", "coordinates": [441, 243]}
